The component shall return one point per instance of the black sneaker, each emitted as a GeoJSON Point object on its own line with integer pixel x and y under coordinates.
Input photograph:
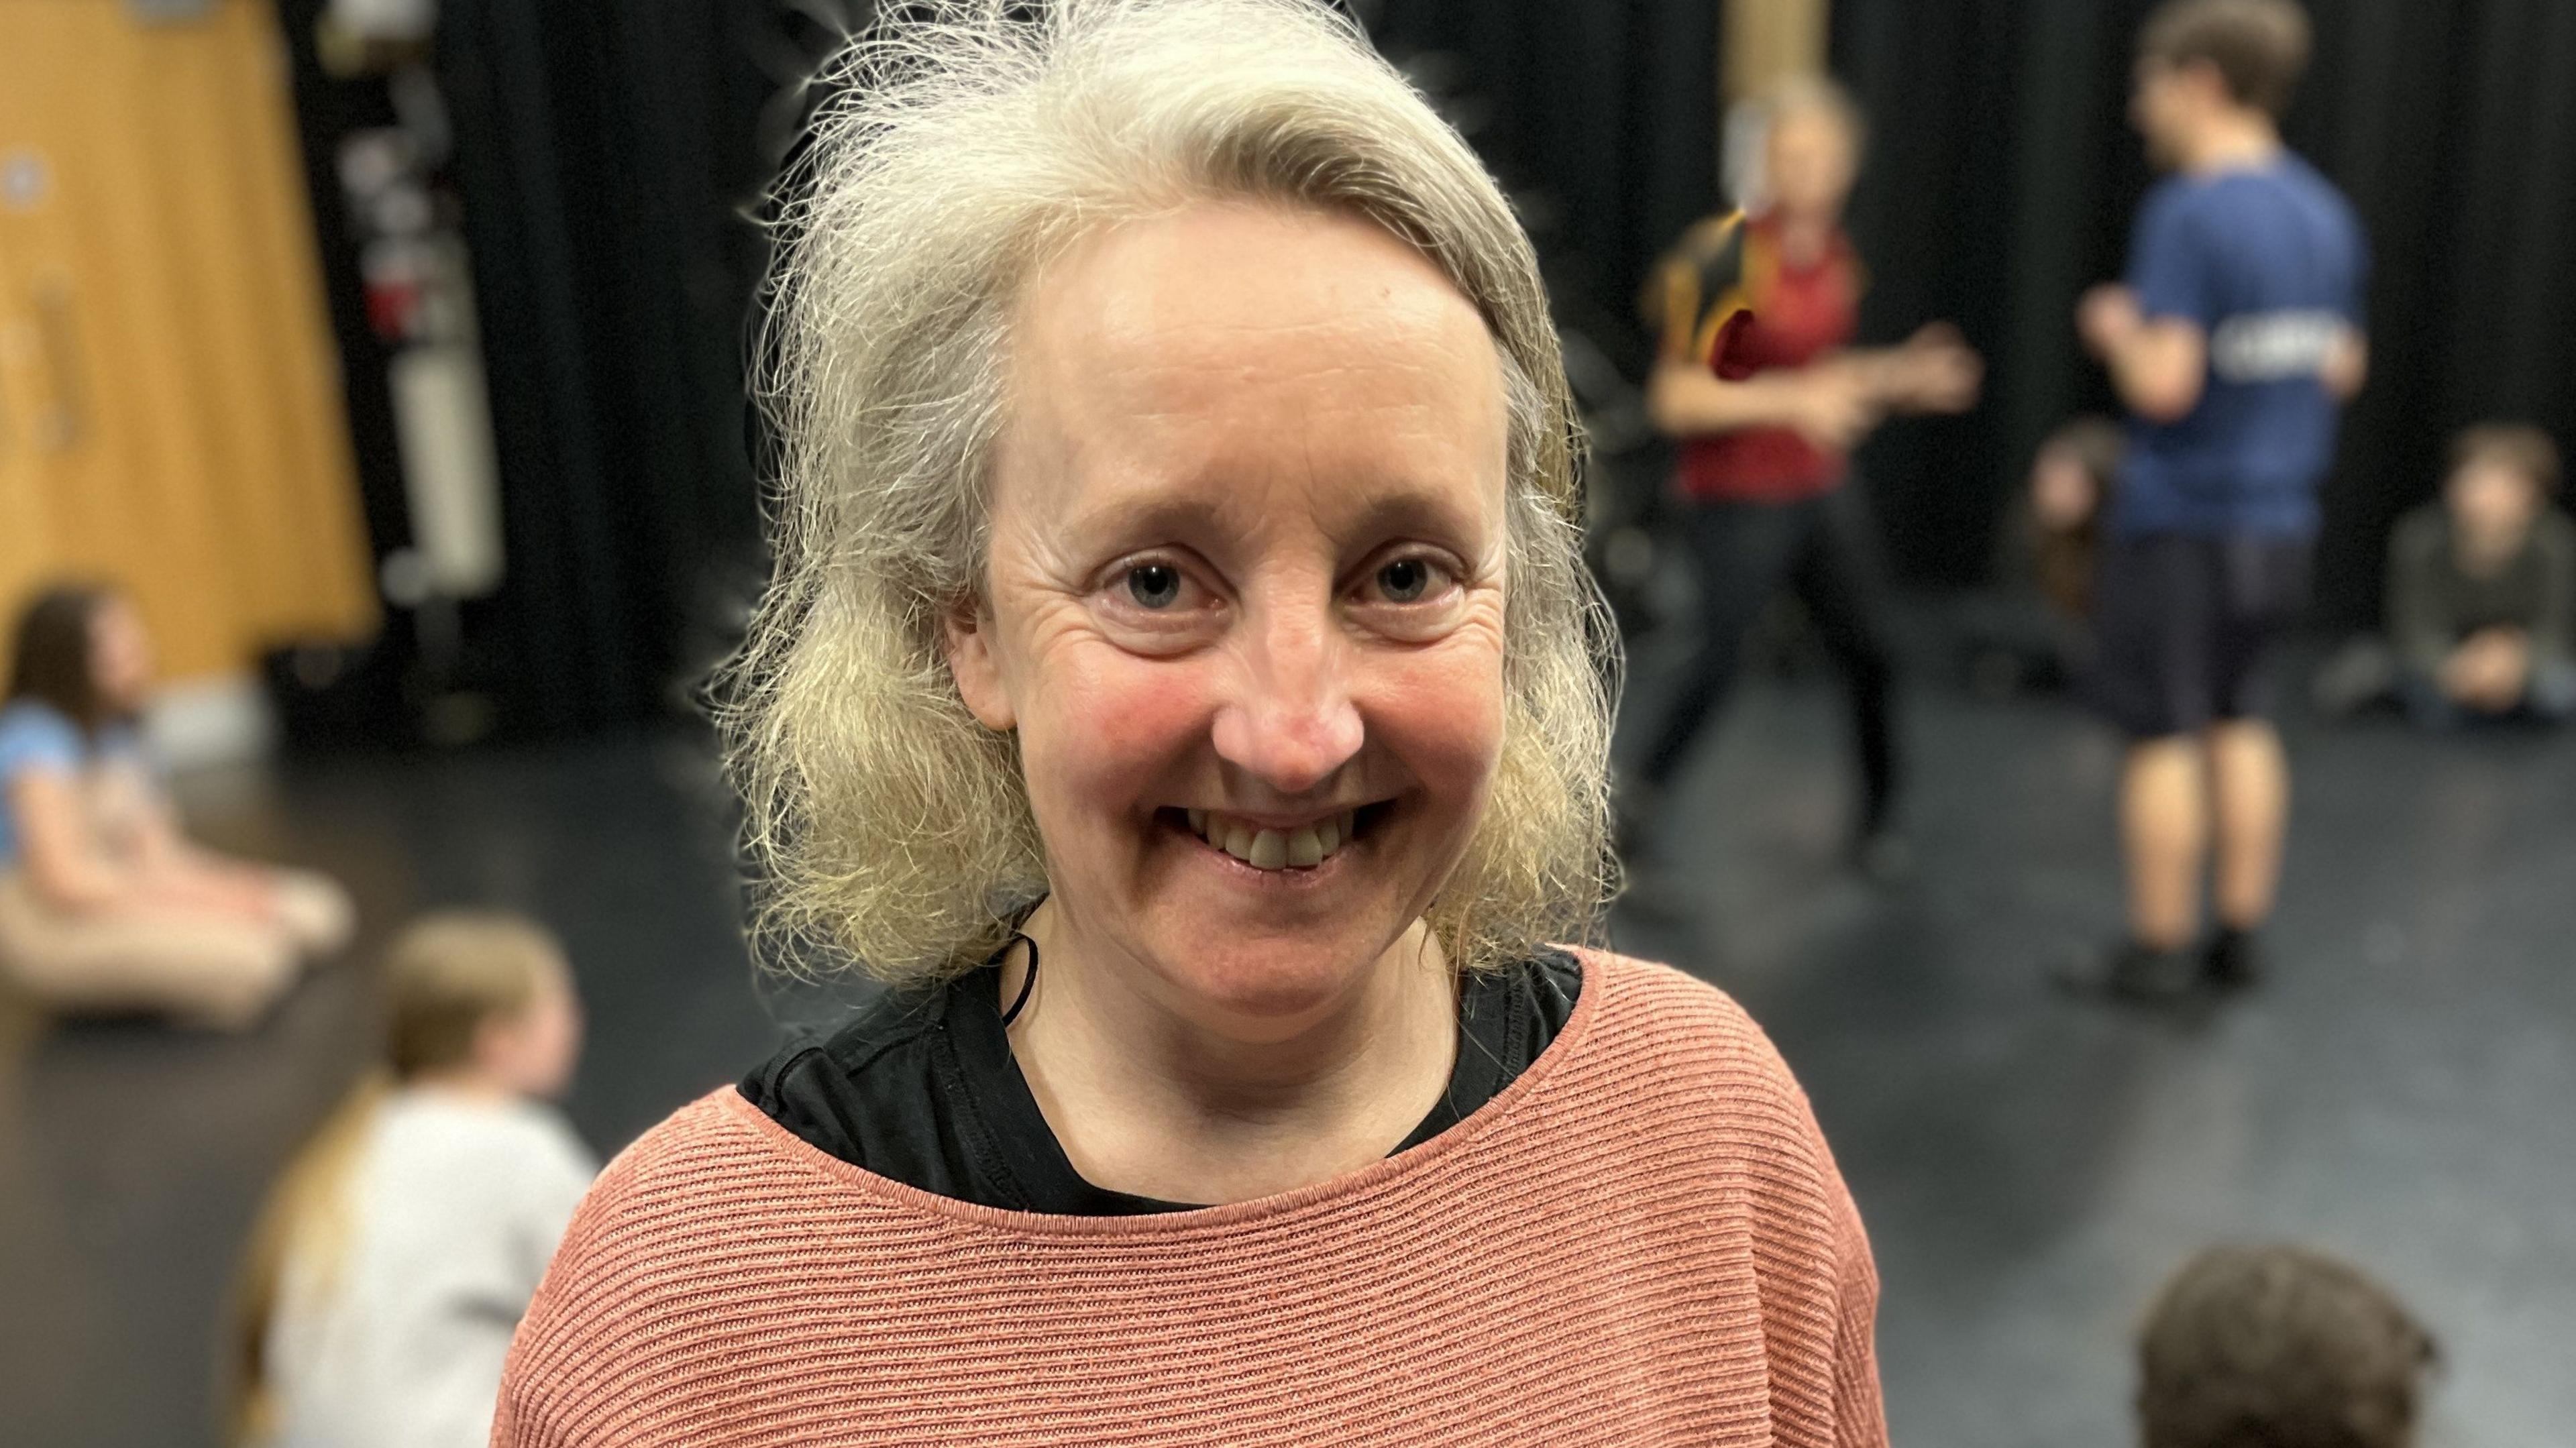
{"type": "Point", "coordinates": [2132, 972]}
{"type": "Point", "coordinates": [2232, 960]}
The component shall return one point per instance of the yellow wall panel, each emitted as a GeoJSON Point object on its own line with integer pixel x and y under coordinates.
{"type": "Point", "coordinates": [169, 276]}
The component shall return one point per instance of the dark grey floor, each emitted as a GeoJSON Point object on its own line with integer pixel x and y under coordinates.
{"type": "Point", "coordinates": [2403, 1092]}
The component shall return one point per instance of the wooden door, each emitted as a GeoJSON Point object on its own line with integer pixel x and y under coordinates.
{"type": "Point", "coordinates": [170, 413]}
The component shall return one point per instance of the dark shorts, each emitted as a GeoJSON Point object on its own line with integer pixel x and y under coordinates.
{"type": "Point", "coordinates": [2183, 624]}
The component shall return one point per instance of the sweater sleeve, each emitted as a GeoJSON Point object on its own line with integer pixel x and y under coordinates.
{"type": "Point", "coordinates": [546, 1381]}
{"type": "Point", "coordinates": [1860, 1419]}
{"type": "Point", "coordinates": [1820, 1285]}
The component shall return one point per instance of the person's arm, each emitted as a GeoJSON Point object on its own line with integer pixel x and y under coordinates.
{"type": "Point", "coordinates": [56, 846]}
{"type": "Point", "coordinates": [1934, 370]}
{"type": "Point", "coordinates": [2347, 365]}
{"type": "Point", "coordinates": [2159, 365]}
{"type": "Point", "coordinates": [1831, 406]}
{"type": "Point", "coordinates": [2151, 329]}
{"type": "Point", "coordinates": [152, 836]}
{"type": "Point", "coordinates": [72, 869]}
{"type": "Point", "coordinates": [168, 866]}
{"type": "Point", "coordinates": [1697, 302]}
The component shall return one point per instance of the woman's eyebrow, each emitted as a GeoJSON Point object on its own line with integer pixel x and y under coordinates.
{"type": "Point", "coordinates": [1208, 517]}
{"type": "Point", "coordinates": [1161, 515]}
{"type": "Point", "coordinates": [1415, 508]}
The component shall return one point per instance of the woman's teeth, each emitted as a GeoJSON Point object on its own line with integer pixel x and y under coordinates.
{"type": "Point", "coordinates": [1301, 848]}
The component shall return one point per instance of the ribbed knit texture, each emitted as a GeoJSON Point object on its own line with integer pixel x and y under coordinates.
{"type": "Point", "coordinates": [1642, 1241]}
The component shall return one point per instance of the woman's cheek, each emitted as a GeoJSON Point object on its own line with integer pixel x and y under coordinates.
{"type": "Point", "coordinates": [1440, 710]}
{"type": "Point", "coordinates": [1117, 722]}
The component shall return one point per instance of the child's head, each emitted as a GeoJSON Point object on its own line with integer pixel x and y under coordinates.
{"type": "Point", "coordinates": [2279, 1347]}
{"type": "Point", "coordinates": [2200, 60]}
{"type": "Point", "coordinates": [484, 994]}
{"type": "Point", "coordinates": [82, 650]}
{"type": "Point", "coordinates": [2070, 477]}
{"type": "Point", "coordinates": [2502, 477]}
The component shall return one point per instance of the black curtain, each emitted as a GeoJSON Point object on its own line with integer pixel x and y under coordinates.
{"type": "Point", "coordinates": [605, 154]}
{"type": "Point", "coordinates": [1600, 116]}
{"type": "Point", "coordinates": [2001, 182]}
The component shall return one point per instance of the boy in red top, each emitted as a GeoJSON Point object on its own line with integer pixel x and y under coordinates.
{"type": "Point", "coordinates": [1764, 397]}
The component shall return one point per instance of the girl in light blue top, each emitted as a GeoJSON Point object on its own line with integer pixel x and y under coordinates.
{"type": "Point", "coordinates": [104, 903]}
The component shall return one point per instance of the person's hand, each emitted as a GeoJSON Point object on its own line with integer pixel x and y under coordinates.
{"type": "Point", "coordinates": [1832, 407]}
{"type": "Point", "coordinates": [1937, 371]}
{"type": "Point", "coordinates": [2489, 671]}
{"type": "Point", "coordinates": [2106, 318]}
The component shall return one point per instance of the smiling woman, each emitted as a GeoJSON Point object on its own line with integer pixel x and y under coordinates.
{"type": "Point", "coordinates": [1177, 587]}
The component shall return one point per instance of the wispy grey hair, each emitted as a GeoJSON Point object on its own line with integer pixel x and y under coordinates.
{"type": "Point", "coordinates": [975, 140]}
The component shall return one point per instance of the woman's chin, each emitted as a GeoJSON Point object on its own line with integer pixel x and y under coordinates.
{"type": "Point", "coordinates": [1224, 968]}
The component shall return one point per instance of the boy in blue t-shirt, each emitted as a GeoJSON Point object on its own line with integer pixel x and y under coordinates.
{"type": "Point", "coordinates": [2234, 342]}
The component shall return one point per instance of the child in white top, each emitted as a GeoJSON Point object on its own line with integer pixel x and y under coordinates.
{"type": "Point", "coordinates": [401, 1246]}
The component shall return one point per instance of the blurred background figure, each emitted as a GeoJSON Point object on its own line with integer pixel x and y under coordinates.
{"type": "Point", "coordinates": [2279, 1347]}
{"type": "Point", "coordinates": [2034, 628]}
{"type": "Point", "coordinates": [2481, 620]}
{"type": "Point", "coordinates": [2233, 342]}
{"type": "Point", "coordinates": [399, 1248]}
{"type": "Point", "coordinates": [105, 905]}
{"type": "Point", "coordinates": [1756, 380]}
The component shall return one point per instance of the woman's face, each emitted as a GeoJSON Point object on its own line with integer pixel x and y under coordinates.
{"type": "Point", "coordinates": [120, 655]}
{"type": "Point", "coordinates": [1245, 599]}
{"type": "Point", "coordinates": [1809, 163]}
{"type": "Point", "coordinates": [2493, 503]}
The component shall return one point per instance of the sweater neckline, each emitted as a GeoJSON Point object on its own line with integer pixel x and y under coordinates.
{"type": "Point", "coordinates": [1373, 1178]}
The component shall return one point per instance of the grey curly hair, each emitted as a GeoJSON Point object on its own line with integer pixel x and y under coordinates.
{"type": "Point", "coordinates": [974, 141]}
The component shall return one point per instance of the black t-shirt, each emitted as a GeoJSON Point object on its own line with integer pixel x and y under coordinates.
{"type": "Point", "coordinates": [922, 1088]}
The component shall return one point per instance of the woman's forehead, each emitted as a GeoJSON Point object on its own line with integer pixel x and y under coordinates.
{"type": "Point", "coordinates": [1231, 283]}
{"type": "Point", "coordinates": [1231, 347]}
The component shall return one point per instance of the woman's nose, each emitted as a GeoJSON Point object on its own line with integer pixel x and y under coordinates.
{"type": "Point", "coordinates": [1291, 722]}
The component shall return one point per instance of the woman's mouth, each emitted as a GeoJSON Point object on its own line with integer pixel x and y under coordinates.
{"type": "Point", "coordinates": [1301, 846]}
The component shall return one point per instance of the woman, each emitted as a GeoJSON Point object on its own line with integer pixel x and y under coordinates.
{"type": "Point", "coordinates": [104, 904]}
{"type": "Point", "coordinates": [1179, 684]}
{"type": "Point", "coordinates": [400, 1246]}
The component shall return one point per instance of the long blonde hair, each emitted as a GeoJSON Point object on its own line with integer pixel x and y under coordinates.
{"type": "Point", "coordinates": [976, 140]}
{"type": "Point", "coordinates": [446, 976]}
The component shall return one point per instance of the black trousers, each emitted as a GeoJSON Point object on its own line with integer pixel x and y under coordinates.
{"type": "Point", "coordinates": [1821, 549]}
{"type": "Point", "coordinates": [2185, 625]}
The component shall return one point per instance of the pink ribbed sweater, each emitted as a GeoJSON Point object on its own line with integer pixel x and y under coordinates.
{"type": "Point", "coordinates": [1642, 1241]}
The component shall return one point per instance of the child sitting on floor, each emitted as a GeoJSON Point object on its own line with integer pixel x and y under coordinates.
{"type": "Point", "coordinates": [2481, 595]}
{"type": "Point", "coordinates": [401, 1246]}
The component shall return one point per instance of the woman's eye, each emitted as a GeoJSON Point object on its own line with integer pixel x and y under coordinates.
{"type": "Point", "coordinates": [1154, 585]}
{"type": "Point", "coordinates": [1405, 580]}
